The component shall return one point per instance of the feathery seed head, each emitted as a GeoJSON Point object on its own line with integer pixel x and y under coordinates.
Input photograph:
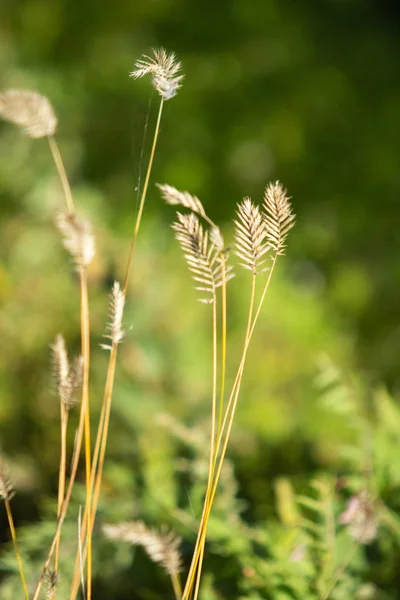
{"type": "Point", "coordinates": [250, 237]}
{"type": "Point", "coordinates": [77, 237]}
{"type": "Point", "coordinates": [60, 363]}
{"type": "Point", "coordinates": [6, 485]}
{"type": "Point", "coordinates": [29, 110]}
{"type": "Point", "coordinates": [162, 547]}
{"type": "Point", "coordinates": [278, 216]}
{"type": "Point", "coordinates": [52, 580]}
{"type": "Point", "coordinates": [164, 69]}
{"type": "Point", "coordinates": [200, 256]}
{"type": "Point", "coordinates": [68, 378]}
{"type": "Point", "coordinates": [174, 197]}
{"type": "Point", "coordinates": [115, 331]}
{"type": "Point", "coordinates": [73, 383]}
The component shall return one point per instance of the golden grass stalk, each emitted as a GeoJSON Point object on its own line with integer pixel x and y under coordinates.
{"type": "Point", "coordinates": [6, 494]}
{"type": "Point", "coordinates": [164, 70]}
{"type": "Point", "coordinates": [79, 242]}
{"type": "Point", "coordinates": [68, 380]}
{"type": "Point", "coordinates": [252, 232]}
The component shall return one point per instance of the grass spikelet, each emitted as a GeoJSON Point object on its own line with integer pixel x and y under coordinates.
{"type": "Point", "coordinates": [161, 546]}
{"type": "Point", "coordinates": [115, 331]}
{"type": "Point", "coordinates": [6, 484]}
{"type": "Point", "coordinates": [250, 236]}
{"type": "Point", "coordinates": [174, 197]}
{"type": "Point", "coordinates": [164, 69]}
{"type": "Point", "coordinates": [278, 215]}
{"type": "Point", "coordinates": [78, 238]}
{"type": "Point", "coordinates": [52, 580]}
{"type": "Point", "coordinates": [29, 110]}
{"type": "Point", "coordinates": [68, 378]}
{"type": "Point", "coordinates": [201, 256]}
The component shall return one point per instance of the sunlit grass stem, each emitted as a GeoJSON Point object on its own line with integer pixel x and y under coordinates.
{"type": "Point", "coordinates": [102, 432]}
{"type": "Point", "coordinates": [227, 423]}
{"type": "Point", "coordinates": [16, 549]}
{"type": "Point", "coordinates": [59, 163]}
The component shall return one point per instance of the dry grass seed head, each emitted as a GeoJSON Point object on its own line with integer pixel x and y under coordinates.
{"type": "Point", "coordinates": [29, 110]}
{"type": "Point", "coordinates": [278, 215]}
{"type": "Point", "coordinates": [162, 547]}
{"type": "Point", "coordinates": [68, 378]}
{"type": "Point", "coordinates": [6, 485]}
{"type": "Point", "coordinates": [52, 580]}
{"type": "Point", "coordinates": [174, 197]}
{"type": "Point", "coordinates": [201, 256]}
{"type": "Point", "coordinates": [115, 331]}
{"type": "Point", "coordinates": [78, 238]}
{"type": "Point", "coordinates": [60, 363]}
{"type": "Point", "coordinates": [250, 236]}
{"type": "Point", "coordinates": [164, 69]}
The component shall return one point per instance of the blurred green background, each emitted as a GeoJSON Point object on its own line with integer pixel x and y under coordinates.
{"type": "Point", "coordinates": [301, 91]}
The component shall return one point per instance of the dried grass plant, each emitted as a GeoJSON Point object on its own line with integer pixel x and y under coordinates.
{"type": "Point", "coordinates": [260, 234]}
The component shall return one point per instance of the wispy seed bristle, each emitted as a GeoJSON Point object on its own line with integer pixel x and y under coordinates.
{"type": "Point", "coordinates": [68, 378]}
{"type": "Point", "coordinates": [164, 69]}
{"type": "Point", "coordinates": [29, 110]}
{"type": "Point", "coordinates": [78, 238]}
{"type": "Point", "coordinates": [115, 331]}
{"type": "Point", "coordinates": [174, 197]}
{"type": "Point", "coordinates": [162, 547]}
{"type": "Point", "coordinates": [6, 485]}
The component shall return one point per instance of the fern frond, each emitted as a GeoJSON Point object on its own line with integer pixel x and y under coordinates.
{"type": "Point", "coordinates": [278, 215]}
{"type": "Point", "coordinates": [29, 110]}
{"type": "Point", "coordinates": [250, 236]}
{"type": "Point", "coordinates": [201, 255]}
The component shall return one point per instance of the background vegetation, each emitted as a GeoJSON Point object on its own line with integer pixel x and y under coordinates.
{"type": "Point", "coordinates": [301, 91]}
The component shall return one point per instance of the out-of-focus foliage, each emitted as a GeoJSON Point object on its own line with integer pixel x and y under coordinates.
{"type": "Point", "coordinates": [301, 91]}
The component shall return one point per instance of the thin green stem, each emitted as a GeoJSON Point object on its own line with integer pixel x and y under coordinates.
{"type": "Point", "coordinates": [143, 198]}
{"type": "Point", "coordinates": [59, 163]}
{"type": "Point", "coordinates": [223, 344]}
{"type": "Point", "coordinates": [17, 552]}
{"type": "Point", "coordinates": [61, 474]}
{"type": "Point", "coordinates": [228, 422]}
{"type": "Point", "coordinates": [85, 333]}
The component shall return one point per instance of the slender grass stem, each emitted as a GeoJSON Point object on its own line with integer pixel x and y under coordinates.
{"type": "Point", "coordinates": [102, 432]}
{"type": "Point", "coordinates": [61, 474]}
{"type": "Point", "coordinates": [58, 161]}
{"type": "Point", "coordinates": [78, 444]}
{"type": "Point", "coordinates": [227, 423]}
{"type": "Point", "coordinates": [143, 198]}
{"type": "Point", "coordinates": [84, 417]}
{"type": "Point", "coordinates": [85, 333]}
{"type": "Point", "coordinates": [176, 584]}
{"type": "Point", "coordinates": [223, 344]}
{"type": "Point", "coordinates": [81, 554]}
{"type": "Point", "coordinates": [16, 549]}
